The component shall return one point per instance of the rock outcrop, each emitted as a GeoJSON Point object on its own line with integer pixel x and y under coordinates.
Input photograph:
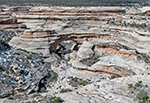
{"type": "Point", "coordinates": [81, 54]}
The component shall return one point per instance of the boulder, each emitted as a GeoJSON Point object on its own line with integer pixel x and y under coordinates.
{"type": "Point", "coordinates": [86, 50]}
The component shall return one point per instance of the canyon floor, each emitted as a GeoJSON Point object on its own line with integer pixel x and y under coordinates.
{"type": "Point", "coordinates": [75, 54]}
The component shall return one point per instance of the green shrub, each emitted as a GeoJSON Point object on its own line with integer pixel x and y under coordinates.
{"type": "Point", "coordinates": [3, 81]}
{"type": "Point", "coordinates": [11, 98]}
{"type": "Point", "coordinates": [130, 85]}
{"type": "Point", "coordinates": [140, 81]}
{"type": "Point", "coordinates": [56, 100]}
{"type": "Point", "coordinates": [91, 60]}
{"type": "Point", "coordinates": [75, 79]}
{"type": "Point", "coordinates": [54, 77]}
{"type": "Point", "coordinates": [137, 85]}
{"type": "Point", "coordinates": [143, 57]}
{"type": "Point", "coordinates": [78, 81]}
{"type": "Point", "coordinates": [113, 76]}
{"type": "Point", "coordinates": [142, 95]}
{"type": "Point", "coordinates": [1, 67]}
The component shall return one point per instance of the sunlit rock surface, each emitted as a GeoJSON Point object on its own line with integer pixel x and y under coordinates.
{"type": "Point", "coordinates": [81, 54]}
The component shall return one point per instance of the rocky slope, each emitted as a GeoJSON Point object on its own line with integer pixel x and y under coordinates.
{"type": "Point", "coordinates": [81, 54]}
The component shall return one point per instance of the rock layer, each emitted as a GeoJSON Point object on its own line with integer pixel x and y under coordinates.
{"type": "Point", "coordinates": [58, 24]}
{"type": "Point", "coordinates": [88, 53]}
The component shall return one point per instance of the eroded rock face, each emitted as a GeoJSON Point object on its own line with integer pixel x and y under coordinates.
{"type": "Point", "coordinates": [88, 53]}
{"type": "Point", "coordinates": [36, 40]}
{"type": "Point", "coordinates": [52, 29]}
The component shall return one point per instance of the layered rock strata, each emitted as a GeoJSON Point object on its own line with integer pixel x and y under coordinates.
{"type": "Point", "coordinates": [8, 20]}
{"type": "Point", "coordinates": [49, 26]}
{"type": "Point", "coordinates": [82, 54]}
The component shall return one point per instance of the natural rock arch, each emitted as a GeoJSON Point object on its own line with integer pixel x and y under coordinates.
{"type": "Point", "coordinates": [53, 46]}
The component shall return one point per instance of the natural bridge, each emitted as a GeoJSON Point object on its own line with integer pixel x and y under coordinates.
{"type": "Point", "coordinates": [49, 26]}
{"type": "Point", "coordinates": [45, 41]}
